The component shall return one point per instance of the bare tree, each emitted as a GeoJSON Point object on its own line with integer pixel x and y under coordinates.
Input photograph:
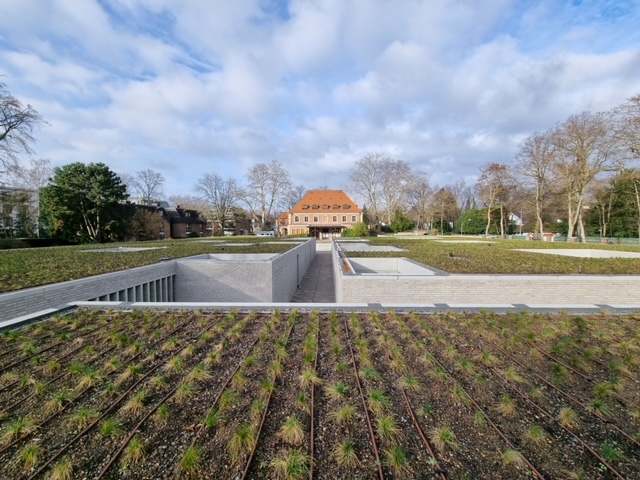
{"type": "Point", "coordinates": [444, 206]}
{"type": "Point", "coordinates": [189, 202]}
{"type": "Point", "coordinates": [220, 195]}
{"type": "Point", "coordinates": [534, 162]}
{"type": "Point", "coordinates": [32, 178]}
{"type": "Point", "coordinates": [419, 196]}
{"type": "Point", "coordinates": [268, 183]}
{"type": "Point", "coordinates": [148, 185]}
{"type": "Point", "coordinates": [586, 147]}
{"type": "Point", "coordinates": [293, 197]}
{"type": "Point", "coordinates": [383, 182]}
{"type": "Point", "coordinates": [17, 123]}
{"type": "Point", "coordinates": [628, 125]}
{"type": "Point", "coordinates": [494, 185]}
{"type": "Point", "coordinates": [365, 181]}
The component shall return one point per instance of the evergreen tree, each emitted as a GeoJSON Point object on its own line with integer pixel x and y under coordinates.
{"type": "Point", "coordinates": [86, 203]}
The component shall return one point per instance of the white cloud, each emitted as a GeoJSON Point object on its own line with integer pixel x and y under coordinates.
{"type": "Point", "coordinates": [199, 86]}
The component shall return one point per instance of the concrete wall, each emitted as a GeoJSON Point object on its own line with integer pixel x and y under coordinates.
{"type": "Point", "coordinates": [483, 289]}
{"type": "Point", "coordinates": [153, 282]}
{"type": "Point", "coordinates": [270, 280]}
{"type": "Point", "coordinates": [288, 270]}
{"type": "Point", "coordinates": [508, 289]}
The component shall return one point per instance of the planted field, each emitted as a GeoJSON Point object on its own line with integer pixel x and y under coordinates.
{"type": "Point", "coordinates": [325, 395]}
{"type": "Point", "coordinates": [25, 268]}
{"type": "Point", "coordinates": [500, 256]}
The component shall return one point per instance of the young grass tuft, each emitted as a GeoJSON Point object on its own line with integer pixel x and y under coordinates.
{"type": "Point", "coordinates": [228, 398]}
{"type": "Point", "coordinates": [256, 409]}
{"type": "Point", "coordinates": [507, 407]}
{"type": "Point", "coordinates": [489, 359]}
{"type": "Point", "coordinates": [163, 413]}
{"type": "Point", "coordinates": [443, 438]}
{"type": "Point", "coordinates": [191, 459]}
{"type": "Point", "coordinates": [185, 391]}
{"type": "Point", "coordinates": [599, 407]}
{"type": "Point", "coordinates": [513, 457]}
{"type": "Point", "coordinates": [511, 373]}
{"type": "Point", "coordinates": [536, 435]}
{"type": "Point", "coordinates": [343, 416]}
{"type": "Point", "coordinates": [292, 432]}
{"type": "Point", "coordinates": [110, 428]}
{"type": "Point", "coordinates": [344, 454]}
{"type": "Point", "coordinates": [427, 410]}
{"type": "Point", "coordinates": [291, 465]}
{"type": "Point", "coordinates": [611, 452]}
{"type": "Point", "coordinates": [397, 461]}
{"type": "Point", "coordinates": [58, 401]}
{"type": "Point", "coordinates": [30, 455]}
{"type": "Point", "coordinates": [309, 378]}
{"type": "Point", "coordinates": [411, 383]}
{"type": "Point", "coordinates": [461, 396]}
{"type": "Point", "coordinates": [174, 365]}
{"type": "Point", "coordinates": [369, 373]}
{"type": "Point", "coordinates": [568, 418]}
{"type": "Point", "coordinates": [387, 428]}
{"type": "Point", "coordinates": [136, 403]}
{"type": "Point", "coordinates": [62, 471]}
{"type": "Point", "coordinates": [199, 374]}
{"type": "Point", "coordinates": [82, 417]}
{"type": "Point", "coordinates": [277, 369]}
{"type": "Point", "coordinates": [133, 452]}
{"type": "Point", "coordinates": [242, 442]}
{"type": "Point", "coordinates": [337, 391]}
{"type": "Point", "coordinates": [214, 418]}
{"type": "Point", "coordinates": [377, 402]}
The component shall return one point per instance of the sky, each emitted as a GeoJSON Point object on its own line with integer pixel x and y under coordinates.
{"type": "Point", "coordinates": [189, 87]}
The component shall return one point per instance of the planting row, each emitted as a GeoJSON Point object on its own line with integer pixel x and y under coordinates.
{"type": "Point", "coordinates": [302, 395]}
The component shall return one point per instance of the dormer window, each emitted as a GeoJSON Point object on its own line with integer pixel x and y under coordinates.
{"type": "Point", "coordinates": [336, 207]}
{"type": "Point", "coordinates": [305, 207]}
{"type": "Point", "coordinates": [346, 207]}
{"type": "Point", "coordinates": [316, 207]}
{"type": "Point", "coordinates": [325, 207]}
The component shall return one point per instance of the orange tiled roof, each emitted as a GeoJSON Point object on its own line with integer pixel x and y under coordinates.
{"type": "Point", "coordinates": [326, 200]}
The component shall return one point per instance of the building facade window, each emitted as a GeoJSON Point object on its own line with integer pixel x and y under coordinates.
{"type": "Point", "coordinates": [344, 218]}
{"type": "Point", "coordinates": [315, 219]}
{"type": "Point", "coordinates": [335, 219]}
{"type": "Point", "coordinates": [296, 219]}
{"type": "Point", "coordinates": [306, 219]}
{"type": "Point", "coordinates": [353, 218]}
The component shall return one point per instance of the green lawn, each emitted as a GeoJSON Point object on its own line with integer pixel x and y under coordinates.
{"type": "Point", "coordinates": [24, 268]}
{"type": "Point", "coordinates": [500, 256]}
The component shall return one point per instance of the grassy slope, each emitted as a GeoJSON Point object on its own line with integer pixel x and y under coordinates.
{"type": "Point", "coordinates": [24, 268]}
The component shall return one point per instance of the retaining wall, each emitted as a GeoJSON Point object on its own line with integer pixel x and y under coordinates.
{"type": "Point", "coordinates": [274, 280]}
{"type": "Point", "coordinates": [150, 283]}
{"type": "Point", "coordinates": [202, 279]}
{"type": "Point", "coordinates": [470, 289]}
{"type": "Point", "coordinates": [481, 289]}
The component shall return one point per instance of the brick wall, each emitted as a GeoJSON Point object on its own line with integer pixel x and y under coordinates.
{"type": "Point", "coordinates": [487, 289]}
{"type": "Point", "coordinates": [23, 302]}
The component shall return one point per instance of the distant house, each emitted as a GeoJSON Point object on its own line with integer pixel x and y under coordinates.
{"type": "Point", "coordinates": [175, 222]}
{"type": "Point", "coordinates": [182, 223]}
{"type": "Point", "coordinates": [320, 214]}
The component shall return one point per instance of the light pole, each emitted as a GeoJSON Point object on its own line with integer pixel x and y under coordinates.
{"type": "Point", "coordinates": [462, 225]}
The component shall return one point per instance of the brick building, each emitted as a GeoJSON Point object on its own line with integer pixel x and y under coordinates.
{"type": "Point", "coordinates": [320, 214]}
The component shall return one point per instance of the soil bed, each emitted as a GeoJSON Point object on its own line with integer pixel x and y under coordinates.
{"type": "Point", "coordinates": [227, 395]}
